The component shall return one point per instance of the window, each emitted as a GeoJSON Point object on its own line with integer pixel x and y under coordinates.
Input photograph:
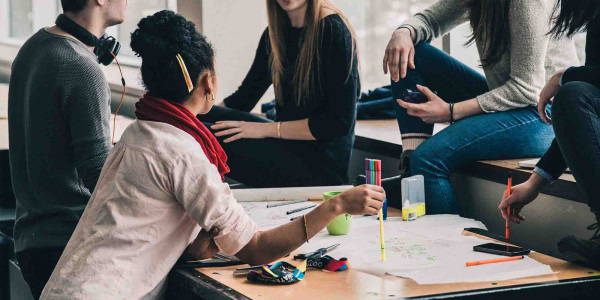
{"type": "Point", "coordinates": [136, 10]}
{"type": "Point", "coordinates": [374, 22]}
{"type": "Point", "coordinates": [19, 19]}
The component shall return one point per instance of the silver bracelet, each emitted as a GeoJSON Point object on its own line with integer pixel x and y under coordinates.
{"type": "Point", "coordinates": [279, 130]}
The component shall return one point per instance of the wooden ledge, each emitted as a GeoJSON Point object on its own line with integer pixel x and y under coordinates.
{"type": "Point", "coordinates": [497, 171]}
{"type": "Point", "coordinates": [378, 136]}
{"type": "Point", "coordinates": [383, 137]}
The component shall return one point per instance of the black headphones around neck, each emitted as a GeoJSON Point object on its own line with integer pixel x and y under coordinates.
{"type": "Point", "coordinates": [103, 47]}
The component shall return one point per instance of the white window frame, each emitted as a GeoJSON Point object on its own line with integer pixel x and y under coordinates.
{"type": "Point", "coordinates": [40, 18]}
{"type": "Point", "coordinates": [132, 61]}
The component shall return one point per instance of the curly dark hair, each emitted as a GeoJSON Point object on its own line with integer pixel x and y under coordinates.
{"type": "Point", "coordinates": [157, 40]}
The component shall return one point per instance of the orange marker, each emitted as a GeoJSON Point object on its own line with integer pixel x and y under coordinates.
{"type": "Point", "coordinates": [492, 261]}
{"type": "Point", "coordinates": [507, 235]}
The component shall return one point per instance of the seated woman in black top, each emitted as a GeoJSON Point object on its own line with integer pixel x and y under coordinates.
{"type": "Point", "coordinates": [308, 52]}
{"type": "Point", "coordinates": [575, 96]}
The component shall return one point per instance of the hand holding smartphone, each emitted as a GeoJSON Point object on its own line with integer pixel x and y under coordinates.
{"type": "Point", "coordinates": [414, 97]}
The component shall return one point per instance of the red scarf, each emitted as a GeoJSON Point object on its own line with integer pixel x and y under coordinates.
{"type": "Point", "coordinates": [159, 110]}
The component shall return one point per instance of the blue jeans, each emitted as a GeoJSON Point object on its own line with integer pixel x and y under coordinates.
{"type": "Point", "coordinates": [377, 104]}
{"type": "Point", "coordinates": [576, 121]}
{"type": "Point", "coordinates": [517, 133]}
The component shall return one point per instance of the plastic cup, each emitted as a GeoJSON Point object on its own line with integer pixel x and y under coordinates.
{"type": "Point", "coordinates": [341, 224]}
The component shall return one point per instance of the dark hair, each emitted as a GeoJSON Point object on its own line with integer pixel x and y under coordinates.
{"type": "Point", "coordinates": [73, 5]}
{"type": "Point", "coordinates": [489, 20]}
{"type": "Point", "coordinates": [157, 40]}
{"type": "Point", "coordinates": [573, 16]}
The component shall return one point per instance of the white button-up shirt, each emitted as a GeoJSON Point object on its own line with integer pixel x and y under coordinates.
{"type": "Point", "coordinates": [155, 192]}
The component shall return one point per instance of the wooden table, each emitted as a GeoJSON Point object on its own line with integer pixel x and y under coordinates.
{"type": "Point", "coordinates": [219, 283]}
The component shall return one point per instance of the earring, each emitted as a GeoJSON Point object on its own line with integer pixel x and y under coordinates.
{"type": "Point", "coordinates": [212, 98]}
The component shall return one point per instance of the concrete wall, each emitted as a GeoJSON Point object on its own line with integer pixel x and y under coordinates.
{"type": "Point", "coordinates": [234, 28]}
{"type": "Point", "coordinates": [548, 218]}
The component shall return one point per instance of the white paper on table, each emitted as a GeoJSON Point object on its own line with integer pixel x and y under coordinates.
{"type": "Point", "coordinates": [267, 218]}
{"type": "Point", "coordinates": [429, 250]}
{"type": "Point", "coordinates": [285, 194]}
{"type": "Point", "coordinates": [526, 267]}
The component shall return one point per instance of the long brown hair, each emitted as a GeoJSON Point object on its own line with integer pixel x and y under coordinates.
{"type": "Point", "coordinates": [489, 20]}
{"type": "Point", "coordinates": [573, 16]}
{"type": "Point", "coordinates": [306, 79]}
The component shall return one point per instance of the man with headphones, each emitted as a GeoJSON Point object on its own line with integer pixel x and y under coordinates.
{"type": "Point", "coordinates": [59, 110]}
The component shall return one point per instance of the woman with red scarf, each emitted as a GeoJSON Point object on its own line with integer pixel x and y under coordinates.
{"type": "Point", "coordinates": [161, 193]}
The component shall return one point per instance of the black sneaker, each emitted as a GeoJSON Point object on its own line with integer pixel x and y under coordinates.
{"type": "Point", "coordinates": [405, 162]}
{"type": "Point", "coordinates": [583, 251]}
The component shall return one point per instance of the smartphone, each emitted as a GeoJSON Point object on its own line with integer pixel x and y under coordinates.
{"type": "Point", "coordinates": [414, 97]}
{"type": "Point", "coordinates": [501, 249]}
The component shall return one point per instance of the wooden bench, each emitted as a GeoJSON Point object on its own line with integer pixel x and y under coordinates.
{"type": "Point", "coordinates": [383, 137]}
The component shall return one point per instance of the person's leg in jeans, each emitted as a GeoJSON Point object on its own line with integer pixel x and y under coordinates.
{"type": "Point", "coordinates": [576, 122]}
{"type": "Point", "coordinates": [515, 133]}
{"type": "Point", "coordinates": [452, 80]}
{"type": "Point", "coordinates": [272, 162]}
{"type": "Point", "coordinates": [37, 265]}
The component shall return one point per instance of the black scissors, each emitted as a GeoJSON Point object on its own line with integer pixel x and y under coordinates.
{"type": "Point", "coordinates": [317, 253]}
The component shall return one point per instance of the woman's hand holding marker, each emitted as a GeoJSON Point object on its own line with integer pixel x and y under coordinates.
{"type": "Point", "coordinates": [364, 199]}
{"type": "Point", "coordinates": [270, 245]}
{"type": "Point", "coordinates": [521, 195]}
{"type": "Point", "coordinates": [435, 110]}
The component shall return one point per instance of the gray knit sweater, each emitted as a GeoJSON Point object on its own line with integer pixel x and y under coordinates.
{"type": "Point", "coordinates": [515, 81]}
{"type": "Point", "coordinates": [58, 114]}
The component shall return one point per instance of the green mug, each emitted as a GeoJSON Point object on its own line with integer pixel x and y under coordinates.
{"type": "Point", "coordinates": [341, 224]}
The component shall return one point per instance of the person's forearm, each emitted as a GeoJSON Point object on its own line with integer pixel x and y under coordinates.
{"type": "Point", "coordinates": [536, 181]}
{"type": "Point", "coordinates": [466, 109]}
{"type": "Point", "coordinates": [270, 245]}
{"type": "Point", "coordinates": [292, 130]}
{"type": "Point", "coordinates": [408, 29]}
